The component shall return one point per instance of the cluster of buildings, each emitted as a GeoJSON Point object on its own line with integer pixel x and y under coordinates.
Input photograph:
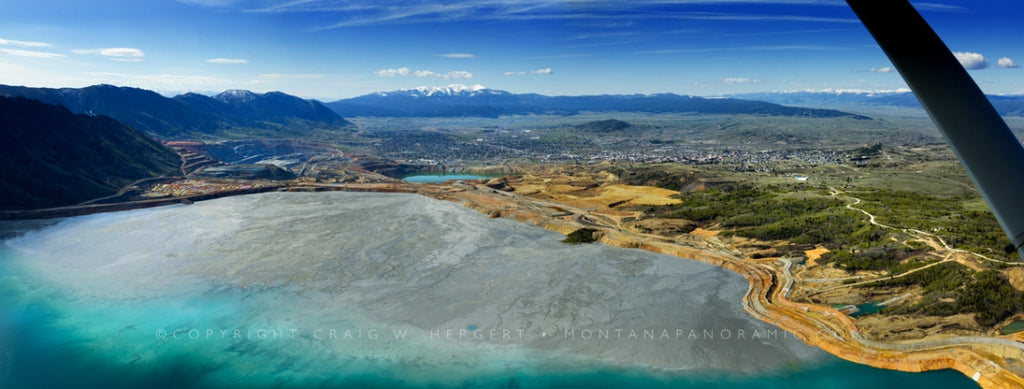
{"type": "Point", "coordinates": [508, 146]}
{"type": "Point", "coordinates": [192, 187]}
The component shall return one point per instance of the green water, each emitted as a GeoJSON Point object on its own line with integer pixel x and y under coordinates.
{"type": "Point", "coordinates": [1012, 328]}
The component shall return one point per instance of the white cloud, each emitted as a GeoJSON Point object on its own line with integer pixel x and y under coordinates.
{"type": "Point", "coordinates": [23, 43]}
{"type": "Point", "coordinates": [457, 55]}
{"type": "Point", "coordinates": [883, 69]}
{"type": "Point", "coordinates": [227, 61]}
{"type": "Point", "coordinates": [427, 73]}
{"type": "Point", "coordinates": [32, 54]}
{"type": "Point", "coordinates": [453, 75]}
{"type": "Point", "coordinates": [392, 72]}
{"type": "Point", "coordinates": [123, 54]}
{"type": "Point", "coordinates": [971, 61]}
{"type": "Point", "coordinates": [740, 80]}
{"type": "Point", "coordinates": [540, 72]}
{"type": "Point", "coordinates": [1005, 62]}
{"type": "Point", "coordinates": [458, 74]}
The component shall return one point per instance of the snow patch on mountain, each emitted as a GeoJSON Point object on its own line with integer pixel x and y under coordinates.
{"type": "Point", "coordinates": [448, 90]}
{"type": "Point", "coordinates": [236, 95]}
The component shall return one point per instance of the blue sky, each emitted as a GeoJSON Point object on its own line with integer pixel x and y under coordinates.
{"type": "Point", "coordinates": [327, 49]}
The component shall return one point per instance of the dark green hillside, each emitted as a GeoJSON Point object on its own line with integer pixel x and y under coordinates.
{"type": "Point", "coordinates": [601, 126]}
{"type": "Point", "coordinates": [52, 157]}
{"type": "Point", "coordinates": [229, 114]}
{"type": "Point", "coordinates": [144, 110]}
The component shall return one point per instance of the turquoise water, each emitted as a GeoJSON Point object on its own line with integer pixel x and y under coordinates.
{"type": "Point", "coordinates": [40, 351]}
{"type": "Point", "coordinates": [436, 178]}
{"type": "Point", "coordinates": [235, 293]}
{"type": "Point", "coordinates": [868, 309]}
{"type": "Point", "coordinates": [43, 353]}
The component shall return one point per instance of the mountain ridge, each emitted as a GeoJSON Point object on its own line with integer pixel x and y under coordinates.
{"type": "Point", "coordinates": [459, 100]}
{"type": "Point", "coordinates": [1006, 105]}
{"type": "Point", "coordinates": [191, 114]}
{"type": "Point", "coordinates": [56, 157]}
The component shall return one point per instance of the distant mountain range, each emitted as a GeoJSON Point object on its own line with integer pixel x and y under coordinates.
{"type": "Point", "coordinates": [53, 157]}
{"type": "Point", "coordinates": [1011, 105]}
{"type": "Point", "coordinates": [458, 100]}
{"type": "Point", "coordinates": [190, 115]}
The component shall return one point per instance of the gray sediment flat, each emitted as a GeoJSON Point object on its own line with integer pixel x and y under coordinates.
{"type": "Point", "coordinates": [468, 291]}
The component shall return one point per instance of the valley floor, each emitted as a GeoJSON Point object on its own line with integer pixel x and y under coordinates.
{"type": "Point", "coordinates": [801, 235]}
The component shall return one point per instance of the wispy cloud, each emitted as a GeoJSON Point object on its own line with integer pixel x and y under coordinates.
{"type": "Point", "coordinates": [741, 80]}
{"type": "Point", "coordinates": [170, 82]}
{"type": "Point", "coordinates": [210, 3]}
{"type": "Point", "coordinates": [291, 76]}
{"type": "Point", "coordinates": [363, 13]}
{"type": "Point", "coordinates": [454, 75]}
{"type": "Point", "coordinates": [799, 48]}
{"type": "Point", "coordinates": [32, 54]}
{"type": "Point", "coordinates": [602, 35]}
{"type": "Point", "coordinates": [685, 51]}
{"type": "Point", "coordinates": [122, 54]}
{"type": "Point", "coordinates": [561, 56]}
{"type": "Point", "coordinates": [28, 53]}
{"type": "Point", "coordinates": [1007, 63]}
{"type": "Point", "coordinates": [393, 72]}
{"type": "Point", "coordinates": [883, 69]}
{"type": "Point", "coordinates": [971, 61]}
{"type": "Point", "coordinates": [457, 55]}
{"type": "Point", "coordinates": [749, 48]}
{"type": "Point", "coordinates": [755, 17]}
{"type": "Point", "coordinates": [404, 71]}
{"type": "Point", "coordinates": [795, 32]}
{"type": "Point", "coordinates": [227, 61]}
{"type": "Point", "coordinates": [608, 43]}
{"type": "Point", "coordinates": [23, 43]}
{"type": "Point", "coordinates": [538, 72]}
{"type": "Point", "coordinates": [938, 7]}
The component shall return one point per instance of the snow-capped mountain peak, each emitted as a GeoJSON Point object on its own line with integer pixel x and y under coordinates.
{"type": "Point", "coordinates": [449, 90]}
{"type": "Point", "coordinates": [236, 95]}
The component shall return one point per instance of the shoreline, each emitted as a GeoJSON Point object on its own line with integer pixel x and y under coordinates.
{"type": "Point", "coordinates": [88, 209]}
{"type": "Point", "coordinates": [822, 327]}
{"type": "Point", "coordinates": [766, 297]}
